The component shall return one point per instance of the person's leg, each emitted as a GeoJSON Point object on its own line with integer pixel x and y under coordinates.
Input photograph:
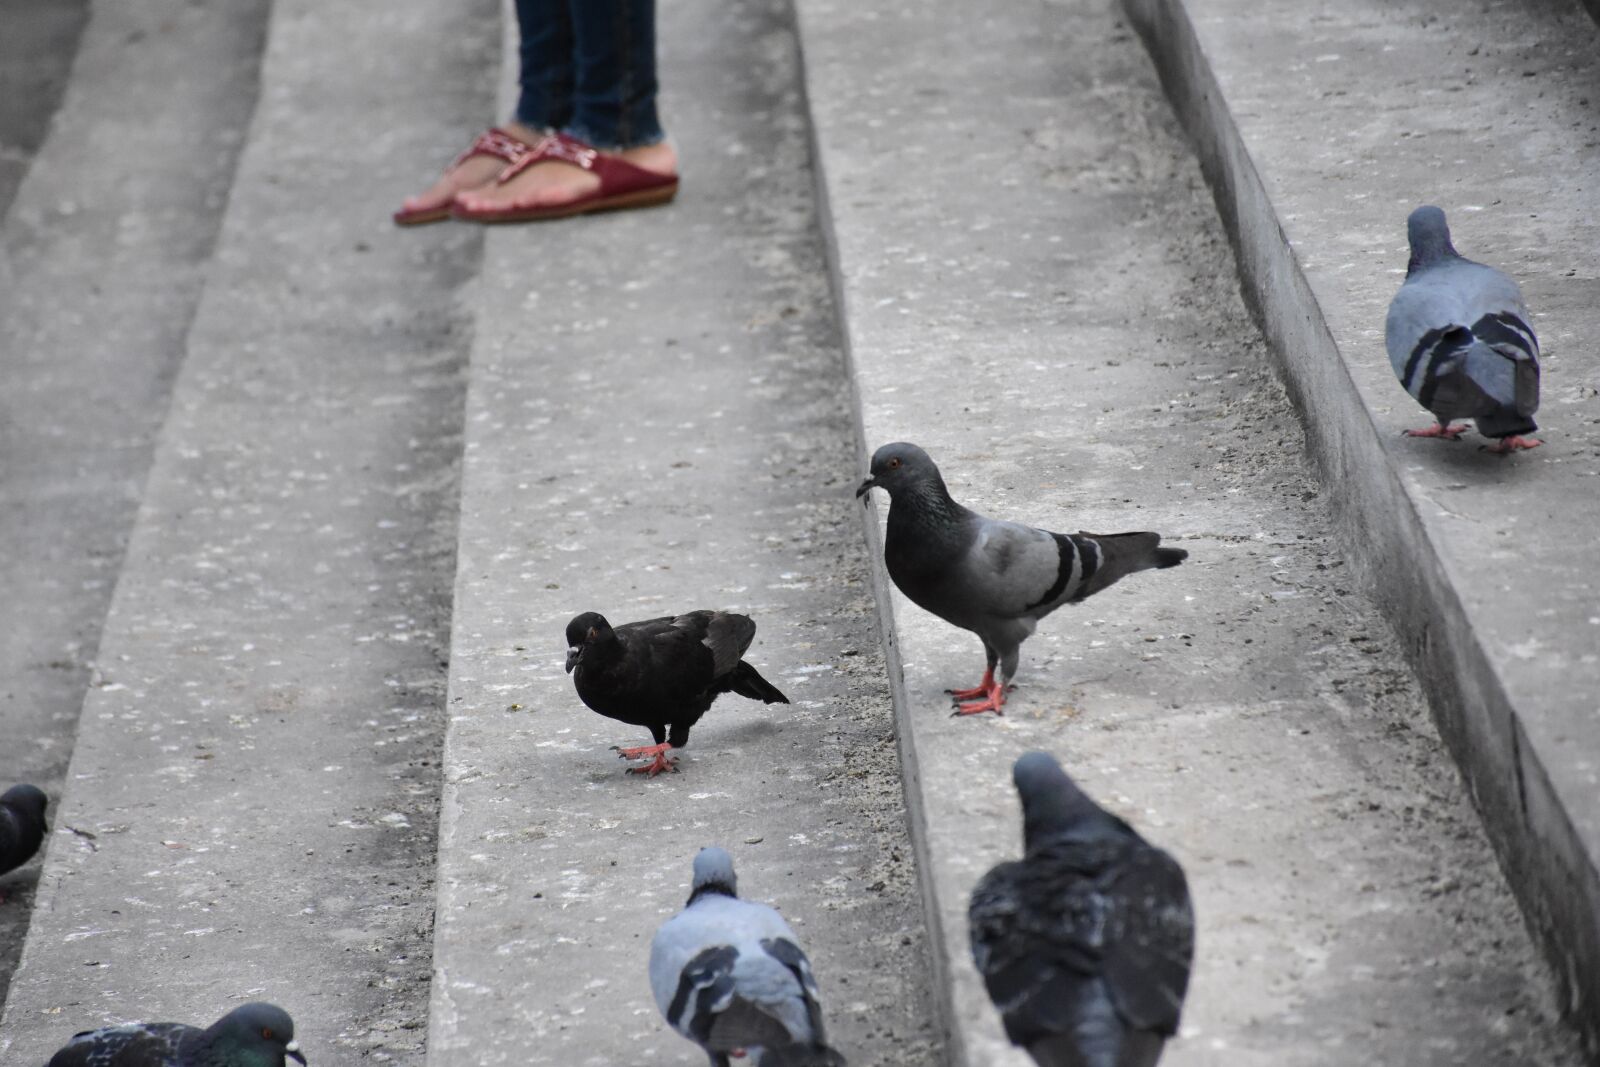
{"type": "Point", "coordinates": [614, 102]}
{"type": "Point", "coordinates": [613, 107]}
{"type": "Point", "coordinates": [545, 76]}
{"type": "Point", "coordinates": [544, 100]}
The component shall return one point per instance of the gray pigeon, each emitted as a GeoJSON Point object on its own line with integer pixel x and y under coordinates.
{"type": "Point", "coordinates": [1459, 340]}
{"type": "Point", "coordinates": [1085, 943]}
{"type": "Point", "coordinates": [21, 826]}
{"type": "Point", "coordinates": [251, 1035]}
{"type": "Point", "coordinates": [997, 579]}
{"type": "Point", "coordinates": [729, 975]}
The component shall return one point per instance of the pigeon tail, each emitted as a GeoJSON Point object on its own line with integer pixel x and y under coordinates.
{"type": "Point", "coordinates": [745, 681]}
{"type": "Point", "coordinates": [802, 1056]}
{"type": "Point", "coordinates": [1170, 557]}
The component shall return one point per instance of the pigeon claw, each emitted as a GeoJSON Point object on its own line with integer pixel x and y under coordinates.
{"type": "Point", "coordinates": [1449, 433]}
{"type": "Point", "coordinates": [1507, 445]}
{"type": "Point", "coordinates": [982, 689]}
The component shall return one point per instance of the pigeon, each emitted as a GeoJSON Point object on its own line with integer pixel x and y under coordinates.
{"type": "Point", "coordinates": [728, 974]}
{"type": "Point", "coordinates": [1459, 340]}
{"type": "Point", "coordinates": [1085, 943]}
{"type": "Point", "coordinates": [663, 673]}
{"type": "Point", "coordinates": [997, 579]}
{"type": "Point", "coordinates": [251, 1035]}
{"type": "Point", "coordinates": [21, 826]}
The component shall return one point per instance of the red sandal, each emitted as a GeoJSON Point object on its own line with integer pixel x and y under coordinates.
{"type": "Point", "coordinates": [491, 142]}
{"type": "Point", "coordinates": [622, 184]}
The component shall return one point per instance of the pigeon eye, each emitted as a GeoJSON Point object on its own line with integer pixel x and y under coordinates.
{"type": "Point", "coordinates": [894, 464]}
{"type": "Point", "coordinates": [266, 1032]}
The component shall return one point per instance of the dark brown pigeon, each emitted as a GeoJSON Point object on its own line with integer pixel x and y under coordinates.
{"type": "Point", "coordinates": [663, 674]}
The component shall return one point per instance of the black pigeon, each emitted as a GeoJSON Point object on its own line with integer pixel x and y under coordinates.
{"type": "Point", "coordinates": [251, 1035]}
{"type": "Point", "coordinates": [997, 579]}
{"type": "Point", "coordinates": [1085, 943]}
{"type": "Point", "coordinates": [21, 826]}
{"type": "Point", "coordinates": [1458, 338]}
{"type": "Point", "coordinates": [663, 674]}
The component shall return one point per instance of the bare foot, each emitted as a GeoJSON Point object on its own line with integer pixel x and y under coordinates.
{"type": "Point", "coordinates": [553, 182]}
{"type": "Point", "coordinates": [471, 173]}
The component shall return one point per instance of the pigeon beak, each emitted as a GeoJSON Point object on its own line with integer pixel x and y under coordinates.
{"type": "Point", "coordinates": [572, 658]}
{"type": "Point", "coordinates": [292, 1050]}
{"type": "Point", "coordinates": [866, 487]}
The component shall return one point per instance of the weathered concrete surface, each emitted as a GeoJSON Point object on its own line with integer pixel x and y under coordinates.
{"type": "Point", "coordinates": [1037, 291]}
{"type": "Point", "coordinates": [102, 258]}
{"type": "Point", "coordinates": [36, 54]}
{"type": "Point", "coordinates": [1320, 130]}
{"type": "Point", "coordinates": [257, 761]}
{"type": "Point", "coordinates": [657, 421]}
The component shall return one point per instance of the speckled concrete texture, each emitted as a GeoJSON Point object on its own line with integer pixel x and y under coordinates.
{"type": "Point", "coordinates": [1039, 292]}
{"type": "Point", "coordinates": [250, 804]}
{"type": "Point", "coordinates": [102, 259]}
{"type": "Point", "coordinates": [658, 420]}
{"type": "Point", "coordinates": [1321, 129]}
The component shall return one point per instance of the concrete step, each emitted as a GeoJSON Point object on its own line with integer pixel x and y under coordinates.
{"type": "Point", "coordinates": [1037, 290]}
{"type": "Point", "coordinates": [36, 54]}
{"type": "Point", "coordinates": [103, 254]}
{"type": "Point", "coordinates": [659, 420]}
{"type": "Point", "coordinates": [249, 808]}
{"type": "Point", "coordinates": [1320, 130]}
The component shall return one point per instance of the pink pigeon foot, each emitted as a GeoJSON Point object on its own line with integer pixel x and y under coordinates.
{"type": "Point", "coordinates": [1507, 445]}
{"type": "Point", "coordinates": [983, 687]}
{"type": "Point", "coordinates": [1449, 433]}
{"type": "Point", "coordinates": [994, 700]}
{"type": "Point", "coordinates": [656, 766]}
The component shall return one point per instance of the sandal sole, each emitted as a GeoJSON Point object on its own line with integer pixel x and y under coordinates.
{"type": "Point", "coordinates": [642, 198]}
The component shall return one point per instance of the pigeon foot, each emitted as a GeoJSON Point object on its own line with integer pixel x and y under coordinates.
{"type": "Point", "coordinates": [1507, 445]}
{"type": "Point", "coordinates": [994, 700]}
{"type": "Point", "coordinates": [656, 766]}
{"type": "Point", "coordinates": [1449, 433]}
{"type": "Point", "coordinates": [982, 689]}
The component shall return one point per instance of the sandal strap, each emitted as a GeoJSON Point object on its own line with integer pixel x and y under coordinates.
{"type": "Point", "coordinates": [617, 176]}
{"type": "Point", "coordinates": [497, 143]}
{"type": "Point", "coordinates": [557, 146]}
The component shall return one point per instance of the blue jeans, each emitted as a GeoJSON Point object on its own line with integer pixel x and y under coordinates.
{"type": "Point", "coordinates": [589, 70]}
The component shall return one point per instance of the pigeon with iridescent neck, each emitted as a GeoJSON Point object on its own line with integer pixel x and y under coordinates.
{"type": "Point", "coordinates": [251, 1035]}
{"type": "Point", "coordinates": [995, 578]}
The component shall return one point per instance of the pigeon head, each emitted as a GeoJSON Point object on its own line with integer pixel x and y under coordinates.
{"type": "Point", "coordinates": [713, 873]}
{"type": "Point", "coordinates": [903, 468]}
{"type": "Point", "coordinates": [255, 1035]}
{"type": "Point", "coordinates": [1429, 235]}
{"type": "Point", "coordinates": [27, 799]}
{"type": "Point", "coordinates": [1052, 804]}
{"type": "Point", "coordinates": [589, 626]}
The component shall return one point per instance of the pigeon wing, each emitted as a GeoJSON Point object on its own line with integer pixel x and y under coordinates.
{"type": "Point", "coordinates": [1150, 944]}
{"type": "Point", "coordinates": [728, 636]}
{"type": "Point", "coordinates": [133, 1045]}
{"type": "Point", "coordinates": [1438, 315]}
{"type": "Point", "coordinates": [789, 954]}
{"type": "Point", "coordinates": [12, 854]}
{"type": "Point", "coordinates": [1035, 935]}
{"type": "Point", "coordinates": [1014, 571]}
